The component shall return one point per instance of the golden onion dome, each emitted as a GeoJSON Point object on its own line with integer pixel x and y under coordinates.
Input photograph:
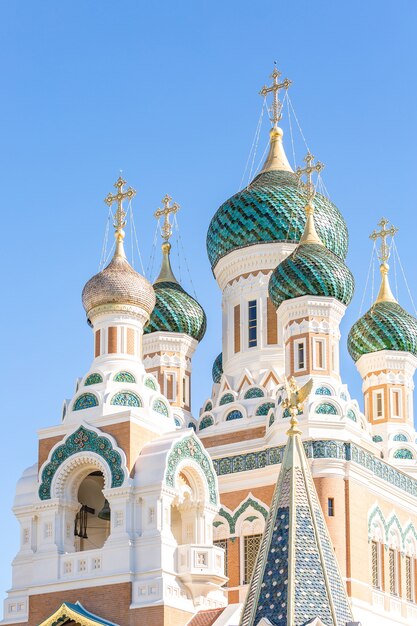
{"type": "Point", "coordinates": [118, 284]}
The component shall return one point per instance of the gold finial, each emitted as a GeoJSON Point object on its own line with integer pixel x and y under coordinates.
{"type": "Point", "coordinates": [166, 274]}
{"type": "Point", "coordinates": [166, 228]}
{"type": "Point", "coordinates": [295, 400]}
{"type": "Point", "coordinates": [274, 89]}
{"type": "Point", "coordinates": [310, 234]}
{"type": "Point", "coordinates": [385, 294]}
{"type": "Point", "coordinates": [119, 218]}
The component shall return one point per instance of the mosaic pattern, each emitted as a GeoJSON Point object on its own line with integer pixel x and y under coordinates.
{"type": "Point", "coordinates": [192, 425]}
{"type": "Point", "coordinates": [377, 438]}
{"type": "Point", "coordinates": [126, 398]}
{"type": "Point", "coordinates": [226, 399]}
{"type": "Point", "coordinates": [254, 392]}
{"type": "Point", "coordinates": [351, 415]}
{"type": "Point", "coordinates": [403, 453]}
{"type": "Point", "coordinates": [176, 312]}
{"type": "Point", "coordinates": [93, 379]}
{"type": "Point", "coordinates": [400, 437]}
{"type": "Point", "coordinates": [320, 449]}
{"type": "Point", "coordinates": [323, 391]}
{"type": "Point", "coordinates": [311, 270]}
{"type": "Point", "coordinates": [232, 519]}
{"type": "Point", "coordinates": [234, 415]}
{"type": "Point", "coordinates": [124, 377]}
{"type": "Point", "coordinates": [151, 384]}
{"type": "Point", "coordinates": [315, 582]}
{"type": "Point", "coordinates": [326, 409]}
{"type": "Point", "coordinates": [343, 396]}
{"type": "Point", "coordinates": [386, 326]}
{"type": "Point", "coordinates": [206, 422]}
{"type": "Point", "coordinates": [190, 448]}
{"type": "Point", "coordinates": [85, 401]}
{"type": "Point", "coordinates": [271, 419]}
{"type": "Point", "coordinates": [271, 208]}
{"type": "Point", "coordinates": [264, 408]}
{"type": "Point", "coordinates": [80, 441]}
{"type": "Point", "coordinates": [160, 407]}
{"type": "Point", "coordinates": [209, 406]}
{"type": "Point", "coordinates": [217, 370]}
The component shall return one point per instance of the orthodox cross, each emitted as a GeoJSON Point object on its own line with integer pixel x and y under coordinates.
{"type": "Point", "coordinates": [166, 228]}
{"type": "Point", "coordinates": [308, 171]}
{"type": "Point", "coordinates": [383, 234]}
{"type": "Point", "coordinates": [119, 218]}
{"type": "Point", "coordinates": [274, 89]}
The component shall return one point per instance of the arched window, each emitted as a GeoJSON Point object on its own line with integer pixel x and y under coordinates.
{"type": "Point", "coordinates": [377, 439]}
{"type": "Point", "coordinates": [376, 564]}
{"type": "Point", "coordinates": [93, 379]}
{"type": "Point", "coordinates": [160, 407]}
{"type": "Point", "coordinates": [323, 391]}
{"type": "Point", "coordinates": [351, 415]}
{"type": "Point", "coordinates": [92, 521]}
{"type": "Point", "coordinates": [403, 453]}
{"type": "Point", "coordinates": [326, 409]}
{"type": "Point", "coordinates": [226, 399]}
{"type": "Point", "coordinates": [394, 565]}
{"type": "Point", "coordinates": [85, 401]}
{"type": "Point", "coordinates": [254, 392]}
{"type": "Point", "coordinates": [400, 437]}
{"type": "Point", "coordinates": [206, 422]}
{"type": "Point", "coordinates": [208, 406]}
{"type": "Point", "coordinates": [150, 383]}
{"type": "Point", "coordinates": [126, 398]}
{"type": "Point", "coordinates": [124, 377]}
{"type": "Point", "coordinates": [234, 415]}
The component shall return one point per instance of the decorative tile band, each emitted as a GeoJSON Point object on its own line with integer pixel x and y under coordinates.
{"type": "Point", "coordinates": [319, 449]}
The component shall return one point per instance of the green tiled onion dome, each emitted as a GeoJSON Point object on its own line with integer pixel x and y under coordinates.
{"type": "Point", "coordinates": [386, 326]}
{"type": "Point", "coordinates": [217, 370]}
{"type": "Point", "coordinates": [312, 270]}
{"type": "Point", "coordinates": [175, 310]}
{"type": "Point", "coordinates": [271, 208]}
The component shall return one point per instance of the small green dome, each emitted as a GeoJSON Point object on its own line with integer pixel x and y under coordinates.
{"type": "Point", "coordinates": [386, 326]}
{"type": "Point", "coordinates": [217, 370]}
{"type": "Point", "coordinates": [176, 312]}
{"type": "Point", "coordinates": [271, 208]}
{"type": "Point", "coordinates": [312, 270]}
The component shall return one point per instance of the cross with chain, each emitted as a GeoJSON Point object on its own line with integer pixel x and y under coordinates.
{"type": "Point", "coordinates": [383, 234]}
{"type": "Point", "coordinates": [166, 228]}
{"type": "Point", "coordinates": [119, 218]}
{"type": "Point", "coordinates": [308, 171]}
{"type": "Point", "coordinates": [274, 89]}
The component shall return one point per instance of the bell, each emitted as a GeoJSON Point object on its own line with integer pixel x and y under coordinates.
{"type": "Point", "coordinates": [105, 511]}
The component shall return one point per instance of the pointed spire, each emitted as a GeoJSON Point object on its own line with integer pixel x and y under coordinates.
{"type": "Point", "coordinates": [296, 578]}
{"type": "Point", "coordinates": [385, 294]}
{"type": "Point", "coordinates": [166, 274]}
{"type": "Point", "coordinates": [276, 159]}
{"type": "Point", "coordinates": [119, 218]}
{"type": "Point", "coordinates": [310, 234]}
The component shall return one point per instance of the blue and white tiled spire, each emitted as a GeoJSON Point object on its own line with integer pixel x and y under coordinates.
{"type": "Point", "coordinates": [296, 578]}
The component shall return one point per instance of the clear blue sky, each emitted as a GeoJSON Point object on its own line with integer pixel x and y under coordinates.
{"type": "Point", "coordinates": [168, 92]}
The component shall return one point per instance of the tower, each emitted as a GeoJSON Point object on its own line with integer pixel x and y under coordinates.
{"type": "Point", "coordinates": [117, 514]}
{"type": "Point", "coordinates": [177, 324]}
{"type": "Point", "coordinates": [383, 344]}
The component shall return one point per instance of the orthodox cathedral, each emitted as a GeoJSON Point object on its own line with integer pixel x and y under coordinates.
{"type": "Point", "coordinates": [279, 502]}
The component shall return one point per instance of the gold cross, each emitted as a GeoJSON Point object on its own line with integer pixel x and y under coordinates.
{"type": "Point", "coordinates": [166, 228]}
{"type": "Point", "coordinates": [308, 171]}
{"type": "Point", "coordinates": [274, 88]}
{"type": "Point", "coordinates": [383, 234]}
{"type": "Point", "coordinates": [119, 218]}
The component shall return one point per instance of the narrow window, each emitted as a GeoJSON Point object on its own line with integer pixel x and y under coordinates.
{"type": "Point", "coordinates": [393, 572]}
{"type": "Point", "coordinates": [299, 356]}
{"type": "Point", "coordinates": [251, 548]}
{"type": "Point", "coordinates": [409, 578]}
{"type": "Point", "coordinates": [130, 341]}
{"type": "Point", "coordinates": [252, 324]}
{"type": "Point", "coordinates": [236, 316]}
{"type": "Point", "coordinates": [97, 343]}
{"type": "Point", "coordinates": [169, 386]}
{"type": "Point", "coordinates": [396, 402]}
{"type": "Point", "coordinates": [184, 396]}
{"type": "Point", "coordinates": [376, 565]}
{"type": "Point", "coordinates": [378, 400]}
{"type": "Point", "coordinates": [319, 353]}
{"type": "Point", "coordinates": [330, 507]}
{"type": "Point", "coordinates": [222, 543]}
{"type": "Point", "coordinates": [271, 323]}
{"type": "Point", "coordinates": [112, 339]}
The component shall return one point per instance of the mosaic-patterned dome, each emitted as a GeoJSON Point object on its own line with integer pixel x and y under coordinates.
{"type": "Point", "coordinates": [386, 326]}
{"type": "Point", "coordinates": [118, 283]}
{"type": "Point", "coordinates": [311, 270]}
{"type": "Point", "coordinates": [176, 312]}
{"type": "Point", "coordinates": [271, 208]}
{"type": "Point", "coordinates": [217, 370]}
